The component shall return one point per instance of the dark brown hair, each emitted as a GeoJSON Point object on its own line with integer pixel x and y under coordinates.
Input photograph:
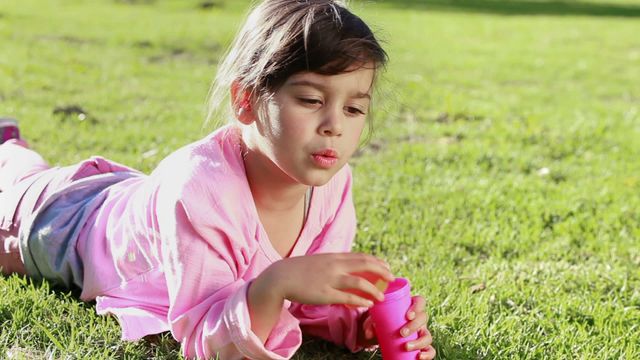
{"type": "Point", "coordinates": [284, 37]}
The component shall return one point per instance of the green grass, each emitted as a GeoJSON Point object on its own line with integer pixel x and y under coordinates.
{"type": "Point", "coordinates": [480, 97]}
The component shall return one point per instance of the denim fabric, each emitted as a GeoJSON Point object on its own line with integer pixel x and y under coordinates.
{"type": "Point", "coordinates": [48, 239]}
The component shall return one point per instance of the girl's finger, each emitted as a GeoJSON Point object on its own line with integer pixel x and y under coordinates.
{"type": "Point", "coordinates": [367, 325]}
{"type": "Point", "coordinates": [418, 305]}
{"type": "Point", "coordinates": [423, 331]}
{"type": "Point", "coordinates": [368, 263]}
{"type": "Point", "coordinates": [352, 282]}
{"type": "Point", "coordinates": [428, 354]}
{"type": "Point", "coordinates": [414, 325]}
{"type": "Point", "coordinates": [422, 342]}
{"type": "Point", "coordinates": [369, 256]}
{"type": "Point", "coordinates": [369, 334]}
{"type": "Point", "coordinates": [368, 322]}
{"type": "Point", "coordinates": [346, 298]}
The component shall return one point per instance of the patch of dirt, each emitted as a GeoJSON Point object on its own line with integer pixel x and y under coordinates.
{"type": "Point", "coordinates": [172, 54]}
{"type": "Point", "coordinates": [450, 140]}
{"type": "Point", "coordinates": [413, 139]}
{"type": "Point", "coordinates": [213, 47]}
{"type": "Point", "coordinates": [17, 352]}
{"type": "Point", "coordinates": [136, 2]}
{"type": "Point", "coordinates": [207, 5]}
{"type": "Point", "coordinates": [474, 250]}
{"type": "Point", "coordinates": [144, 44]}
{"type": "Point", "coordinates": [445, 117]}
{"type": "Point", "coordinates": [478, 287]}
{"type": "Point", "coordinates": [73, 112]}
{"type": "Point", "coordinates": [73, 40]}
{"type": "Point", "coordinates": [176, 53]}
{"type": "Point", "coordinates": [518, 83]}
{"type": "Point", "coordinates": [409, 117]}
{"type": "Point", "coordinates": [374, 147]}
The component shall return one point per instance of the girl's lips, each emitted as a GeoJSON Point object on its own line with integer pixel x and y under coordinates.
{"type": "Point", "coordinates": [325, 158]}
{"type": "Point", "coordinates": [327, 152]}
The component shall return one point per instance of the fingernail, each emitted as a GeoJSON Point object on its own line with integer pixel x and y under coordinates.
{"type": "Point", "coordinates": [409, 346]}
{"type": "Point", "coordinates": [411, 315]}
{"type": "Point", "coordinates": [404, 332]}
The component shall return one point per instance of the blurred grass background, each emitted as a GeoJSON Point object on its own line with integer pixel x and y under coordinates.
{"type": "Point", "coordinates": [502, 177]}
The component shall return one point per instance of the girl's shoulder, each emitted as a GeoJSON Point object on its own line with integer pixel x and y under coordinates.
{"type": "Point", "coordinates": [203, 186]}
{"type": "Point", "coordinates": [211, 166]}
{"type": "Point", "coordinates": [218, 152]}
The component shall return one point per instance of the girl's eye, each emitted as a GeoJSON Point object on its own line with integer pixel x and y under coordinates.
{"type": "Point", "coordinates": [355, 110]}
{"type": "Point", "coordinates": [311, 101]}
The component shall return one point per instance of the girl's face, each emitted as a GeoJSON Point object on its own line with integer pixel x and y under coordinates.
{"type": "Point", "coordinates": [314, 124]}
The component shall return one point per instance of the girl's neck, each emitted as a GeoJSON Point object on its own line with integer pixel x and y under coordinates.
{"type": "Point", "coordinates": [272, 190]}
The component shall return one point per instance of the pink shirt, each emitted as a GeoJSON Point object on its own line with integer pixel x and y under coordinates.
{"type": "Point", "coordinates": [177, 250]}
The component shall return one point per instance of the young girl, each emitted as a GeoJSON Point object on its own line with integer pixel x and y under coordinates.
{"type": "Point", "coordinates": [239, 242]}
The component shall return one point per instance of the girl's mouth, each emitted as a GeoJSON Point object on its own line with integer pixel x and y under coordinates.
{"type": "Point", "coordinates": [325, 158]}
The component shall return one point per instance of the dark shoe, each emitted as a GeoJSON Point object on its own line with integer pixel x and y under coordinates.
{"type": "Point", "coordinates": [8, 129]}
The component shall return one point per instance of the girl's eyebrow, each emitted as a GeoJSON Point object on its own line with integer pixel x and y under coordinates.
{"type": "Point", "coordinates": [302, 82]}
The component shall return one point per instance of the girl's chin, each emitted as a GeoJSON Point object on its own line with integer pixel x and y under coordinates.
{"type": "Point", "coordinates": [317, 177]}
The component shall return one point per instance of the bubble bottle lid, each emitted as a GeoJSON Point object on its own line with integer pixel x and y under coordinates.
{"type": "Point", "coordinates": [396, 290]}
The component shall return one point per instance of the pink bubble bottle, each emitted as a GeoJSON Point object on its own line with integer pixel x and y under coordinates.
{"type": "Point", "coordinates": [389, 316]}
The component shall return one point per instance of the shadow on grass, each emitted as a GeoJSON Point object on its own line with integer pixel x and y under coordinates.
{"type": "Point", "coordinates": [50, 304]}
{"type": "Point", "coordinates": [520, 7]}
{"type": "Point", "coordinates": [164, 346]}
{"type": "Point", "coordinates": [318, 349]}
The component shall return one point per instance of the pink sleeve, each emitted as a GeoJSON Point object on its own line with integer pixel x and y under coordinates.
{"type": "Point", "coordinates": [208, 311]}
{"type": "Point", "coordinates": [335, 323]}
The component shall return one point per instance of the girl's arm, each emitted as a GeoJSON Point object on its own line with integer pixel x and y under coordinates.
{"type": "Point", "coordinates": [204, 258]}
{"type": "Point", "coordinates": [321, 279]}
{"type": "Point", "coordinates": [265, 304]}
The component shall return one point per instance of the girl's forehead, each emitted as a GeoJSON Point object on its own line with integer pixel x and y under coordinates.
{"type": "Point", "coordinates": [359, 79]}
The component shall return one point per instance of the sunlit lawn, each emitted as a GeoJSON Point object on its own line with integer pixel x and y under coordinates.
{"type": "Point", "coordinates": [502, 177]}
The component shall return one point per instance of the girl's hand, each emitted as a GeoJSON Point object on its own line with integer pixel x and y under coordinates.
{"type": "Point", "coordinates": [418, 322]}
{"type": "Point", "coordinates": [366, 333]}
{"type": "Point", "coordinates": [328, 278]}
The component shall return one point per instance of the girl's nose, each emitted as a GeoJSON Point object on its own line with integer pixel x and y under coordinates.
{"type": "Point", "coordinates": [332, 124]}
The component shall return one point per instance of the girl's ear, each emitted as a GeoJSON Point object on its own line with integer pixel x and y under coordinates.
{"type": "Point", "coordinates": [241, 102]}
